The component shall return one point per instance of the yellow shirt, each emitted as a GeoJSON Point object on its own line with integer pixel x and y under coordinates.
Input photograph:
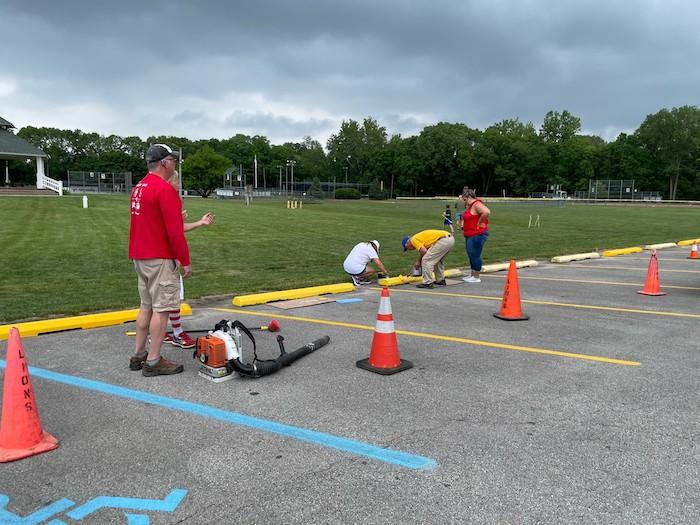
{"type": "Point", "coordinates": [427, 238]}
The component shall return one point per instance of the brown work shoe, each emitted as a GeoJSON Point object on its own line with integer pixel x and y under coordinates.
{"type": "Point", "coordinates": [164, 367]}
{"type": "Point", "coordinates": [136, 362]}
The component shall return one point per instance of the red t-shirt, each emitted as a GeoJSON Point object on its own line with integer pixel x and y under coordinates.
{"type": "Point", "coordinates": [470, 221]}
{"type": "Point", "coordinates": [156, 222]}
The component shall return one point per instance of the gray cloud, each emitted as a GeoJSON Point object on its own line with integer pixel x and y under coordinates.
{"type": "Point", "coordinates": [291, 69]}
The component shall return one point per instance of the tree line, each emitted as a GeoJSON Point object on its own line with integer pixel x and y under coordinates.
{"type": "Point", "coordinates": [511, 156]}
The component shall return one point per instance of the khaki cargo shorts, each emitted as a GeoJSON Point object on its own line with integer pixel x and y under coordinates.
{"type": "Point", "coordinates": [159, 284]}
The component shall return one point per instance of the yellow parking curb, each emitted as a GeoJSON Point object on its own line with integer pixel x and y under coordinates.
{"type": "Point", "coordinates": [621, 251]}
{"type": "Point", "coordinates": [456, 272]}
{"type": "Point", "coordinates": [489, 268]}
{"type": "Point", "coordinates": [575, 257]}
{"type": "Point", "coordinates": [401, 279]}
{"type": "Point", "coordinates": [660, 246]}
{"type": "Point", "coordinates": [298, 293]}
{"type": "Point", "coordinates": [688, 242]}
{"type": "Point", "coordinates": [404, 279]}
{"type": "Point", "coordinates": [84, 322]}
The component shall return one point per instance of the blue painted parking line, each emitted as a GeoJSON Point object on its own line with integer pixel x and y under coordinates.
{"type": "Point", "coordinates": [358, 448]}
{"type": "Point", "coordinates": [350, 300]}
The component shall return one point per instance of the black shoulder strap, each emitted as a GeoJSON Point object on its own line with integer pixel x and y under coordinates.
{"type": "Point", "coordinates": [244, 329]}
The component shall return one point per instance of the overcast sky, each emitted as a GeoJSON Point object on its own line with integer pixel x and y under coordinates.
{"type": "Point", "coordinates": [290, 68]}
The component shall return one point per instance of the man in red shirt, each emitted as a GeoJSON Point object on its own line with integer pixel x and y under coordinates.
{"type": "Point", "coordinates": [156, 245]}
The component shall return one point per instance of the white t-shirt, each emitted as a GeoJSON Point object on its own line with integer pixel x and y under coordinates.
{"type": "Point", "coordinates": [359, 256]}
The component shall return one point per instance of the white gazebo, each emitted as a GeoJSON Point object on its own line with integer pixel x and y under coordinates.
{"type": "Point", "coordinates": [14, 147]}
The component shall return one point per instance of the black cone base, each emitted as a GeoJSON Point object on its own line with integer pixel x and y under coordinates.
{"type": "Point", "coordinates": [364, 363]}
{"type": "Point", "coordinates": [506, 318]}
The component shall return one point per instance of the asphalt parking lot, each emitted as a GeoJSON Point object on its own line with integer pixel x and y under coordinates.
{"type": "Point", "coordinates": [588, 412]}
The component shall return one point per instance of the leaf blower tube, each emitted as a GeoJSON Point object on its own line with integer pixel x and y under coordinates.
{"type": "Point", "coordinates": [270, 366]}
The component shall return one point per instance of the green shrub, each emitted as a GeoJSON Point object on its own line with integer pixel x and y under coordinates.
{"type": "Point", "coordinates": [347, 193]}
{"type": "Point", "coordinates": [315, 191]}
{"type": "Point", "coordinates": [375, 192]}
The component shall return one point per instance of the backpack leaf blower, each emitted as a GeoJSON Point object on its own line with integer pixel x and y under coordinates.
{"type": "Point", "coordinates": [220, 353]}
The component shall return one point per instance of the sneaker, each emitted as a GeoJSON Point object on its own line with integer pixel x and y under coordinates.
{"type": "Point", "coordinates": [136, 362]}
{"type": "Point", "coordinates": [425, 285]}
{"type": "Point", "coordinates": [164, 367]}
{"type": "Point", "coordinates": [441, 283]}
{"type": "Point", "coordinates": [359, 282]}
{"type": "Point", "coordinates": [471, 279]}
{"type": "Point", "coordinates": [183, 340]}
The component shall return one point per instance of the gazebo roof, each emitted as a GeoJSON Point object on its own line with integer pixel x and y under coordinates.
{"type": "Point", "coordinates": [13, 146]}
{"type": "Point", "coordinates": [4, 124]}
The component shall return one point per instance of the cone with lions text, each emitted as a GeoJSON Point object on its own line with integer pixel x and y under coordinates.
{"type": "Point", "coordinates": [21, 434]}
{"type": "Point", "coordinates": [510, 305]}
{"type": "Point", "coordinates": [652, 286]}
{"type": "Point", "coordinates": [384, 355]}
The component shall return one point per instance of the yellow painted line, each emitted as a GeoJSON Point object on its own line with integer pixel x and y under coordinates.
{"type": "Point", "coordinates": [298, 293]}
{"type": "Point", "coordinates": [596, 267]}
{"type": "Point", "coordinates": [84, 322]}
{"type": "Point", "coordinates": [585, 281]}
{"type": "Point", "coordinates": [565, 305]}
{"type": "Point", "coordinates": [424, 335]}
{"type": "Point", "coordinates": [665, 260]}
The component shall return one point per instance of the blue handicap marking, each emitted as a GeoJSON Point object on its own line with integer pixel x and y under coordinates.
{"type": "Point", "coordinates": [350, 300]}
{"type": "Point", "coordinates": [137, 519]}
{"type": "Point", "coordinates": [168, 504]}
{"type": "Point", "coordinates": [35, 517]}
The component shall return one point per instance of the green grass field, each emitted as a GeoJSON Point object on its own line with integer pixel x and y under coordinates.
{"type": "Point", "coordinates": [61, 259]}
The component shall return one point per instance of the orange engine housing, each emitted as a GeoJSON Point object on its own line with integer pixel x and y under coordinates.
{"type": "Point", "coordinates": [211, 351]}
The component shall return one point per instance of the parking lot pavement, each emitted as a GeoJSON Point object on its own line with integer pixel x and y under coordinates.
{"type": "Point", "coordinates": [585, 413]}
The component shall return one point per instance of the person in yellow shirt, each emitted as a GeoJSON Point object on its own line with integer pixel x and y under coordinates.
{"type": "Point", "coordinates": [432, 247]}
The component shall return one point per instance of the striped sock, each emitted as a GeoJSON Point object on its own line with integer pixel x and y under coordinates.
{"type": "Point", "coordinates": [175, 321]}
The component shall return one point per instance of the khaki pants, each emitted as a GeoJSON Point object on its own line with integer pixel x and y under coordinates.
{"type": "Point", "coordinates": [434, 259]}
{"type": "Point", "coordinates": [159, 284]}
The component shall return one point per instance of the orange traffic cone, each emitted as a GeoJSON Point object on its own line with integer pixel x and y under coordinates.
{"type": "Point", "coordinates": [21, 434]}
{"type": "Point", "coordinates": [694, 252]}
{"type": "Point", "coordinates": [384, 356]}
{"type": "Point", "coordinates": [651, 286]}
{"type": "Point", "coordinates": [510, 306]}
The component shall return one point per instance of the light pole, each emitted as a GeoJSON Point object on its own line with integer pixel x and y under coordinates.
{"type": "Point", "coordinates": [292, 163]}
{"type": "Point", "coordinates": [280, 167]}
{"type": "Point", "coordinates": [182, 191]}
{"type": "Point", "coordinates": [347, 160]}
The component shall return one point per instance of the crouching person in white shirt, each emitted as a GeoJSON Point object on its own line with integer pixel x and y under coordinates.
{"type": "Point", "coordinates": [357, 263]}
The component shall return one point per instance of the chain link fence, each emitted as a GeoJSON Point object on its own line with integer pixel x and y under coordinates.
{"type": "Point", "coordinates": [98, 182]}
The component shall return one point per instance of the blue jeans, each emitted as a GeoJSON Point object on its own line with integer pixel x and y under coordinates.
{"type": "Point", "coordinates": [475, 246]}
